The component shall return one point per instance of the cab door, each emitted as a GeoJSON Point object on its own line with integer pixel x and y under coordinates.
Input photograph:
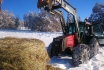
{"type": "Point", "coordinates": [99, 33]}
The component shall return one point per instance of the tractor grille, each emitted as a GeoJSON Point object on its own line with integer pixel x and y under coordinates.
{"type": "Point", "coordinates": [57, 43]}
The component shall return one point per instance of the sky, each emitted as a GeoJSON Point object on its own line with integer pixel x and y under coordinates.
{"type": "Point", "coordinates": [21, 7]}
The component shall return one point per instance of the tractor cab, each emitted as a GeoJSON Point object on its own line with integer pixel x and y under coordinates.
{"type": "Point", "coordinates": [99, 33]}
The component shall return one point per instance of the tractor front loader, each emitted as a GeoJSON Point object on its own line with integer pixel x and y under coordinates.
{"type": "Point", "coordinates": [79, 39]}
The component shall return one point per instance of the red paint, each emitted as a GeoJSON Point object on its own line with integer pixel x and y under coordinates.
{"type": "Point", "coordinates": [71, 40]}
{"type": "Point", "coordinates": [38, 4]}
{"type": "Point", "coordinates": [40, 0]}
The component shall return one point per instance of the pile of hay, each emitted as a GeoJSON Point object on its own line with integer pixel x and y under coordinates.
{"type": "Point", "coordinates": [50, 67]}
{"type": "Point", "coordinates": [22, 54]}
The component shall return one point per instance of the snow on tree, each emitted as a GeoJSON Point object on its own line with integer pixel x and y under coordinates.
{"type": "Point", "coordinates": [97, 15]}
{"type": "Point", "coordinates": [70, 18]}
{"type": "Point", "coordinates": [7, 20]}
{"type": "Point", "coordinates": [42, 21]}
{"type": "Point", "coordinates": [98, 7]}
{"type": "Point", "coordinates": [17, 21]}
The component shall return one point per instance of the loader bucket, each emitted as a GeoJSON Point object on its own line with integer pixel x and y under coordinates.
{"type": "Point", "coordinates": [44, 3]}
{"type": "Point", "coordinates": [41, 3]}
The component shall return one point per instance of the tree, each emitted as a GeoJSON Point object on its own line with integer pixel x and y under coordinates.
{"type": "Point", "coordinates": [97, 15]}
{"type": "Point", "coordinates": [70, 18]}
{"type": "Point", "coordinates": [79, 19]}
{"type": "Point", "coordinates": [7, 20]}
{"type": "Point", "coordinates": [26, 21]}
{"type": "Point", "coordinates": [42, 21]}
{"type": "Point", "coordinates": [17, 21]}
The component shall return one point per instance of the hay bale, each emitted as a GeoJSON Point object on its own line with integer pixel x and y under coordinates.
{"type": "Point", "coordinates": [50, 67]}
{"type": "Point", "coordinates": [22, 54]}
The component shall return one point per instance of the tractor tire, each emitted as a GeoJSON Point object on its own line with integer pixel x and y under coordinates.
{"type": "Point", "coordinates": [94, 47]}
{"type": "Point", "coordinates": [80, 54]}
{"type": "Point", "coordinates": [49, 50]}
{"type": "Point", "coordinates": [52, 50]}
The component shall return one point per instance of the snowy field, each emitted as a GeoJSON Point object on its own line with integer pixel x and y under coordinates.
{"type": "Point", "coordinates": [64, 62]}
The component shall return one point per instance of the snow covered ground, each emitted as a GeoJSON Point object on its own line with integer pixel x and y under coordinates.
{"type": "Point", "coordinates": [64, 62]}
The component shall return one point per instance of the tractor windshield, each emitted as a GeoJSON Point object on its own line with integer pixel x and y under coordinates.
{"type": "Point", "coordinates": [81, 26]}
{"type": "Point", "coordinates": [72, 27]}
{"type": "Point", "coordinates": [98, 30]}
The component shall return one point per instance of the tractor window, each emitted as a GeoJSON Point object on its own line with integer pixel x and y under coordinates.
{"type": "Point", "coordinates": [81, 29]}
{"type": "Point", "coordinates": [70, 23]}
{"type": "Point", "coordinates": [71, 28]}
{"type": "Point", "coordinates": [97, 29]}
{"type": "Point", "coordinates": [81, 26]}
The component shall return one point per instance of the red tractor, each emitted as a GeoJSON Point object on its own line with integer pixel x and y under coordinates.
{"type": "Point", "coordinates": [80, 39]}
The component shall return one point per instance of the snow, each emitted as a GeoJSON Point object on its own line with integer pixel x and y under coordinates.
{"type": "Point", "coordinates": [64, 62]}
{"type": "Point", "coordinates": [102, 9]}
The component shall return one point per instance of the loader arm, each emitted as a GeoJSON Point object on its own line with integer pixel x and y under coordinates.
{"type": "Point", "coordinates": [52, 5]}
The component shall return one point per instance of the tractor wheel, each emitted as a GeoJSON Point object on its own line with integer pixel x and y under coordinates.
{"type": "Point", "coordinates": [49, 50]}
{"type": "Point", "coordinates": [52, 50]}
{"type": "Point", "coordinates": [94, 47]}
{"type": "Point", "coordinates": [81, 54]}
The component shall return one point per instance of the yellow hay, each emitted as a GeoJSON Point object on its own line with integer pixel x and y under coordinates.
{"type": "Point", "coordinates": [22, 54]}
